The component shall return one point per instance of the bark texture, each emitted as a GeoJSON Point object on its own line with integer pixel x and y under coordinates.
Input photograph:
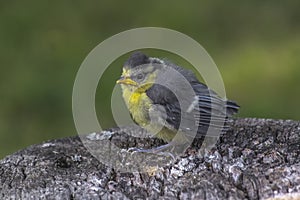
{"type": "Point", "coordinates": [255, 159]}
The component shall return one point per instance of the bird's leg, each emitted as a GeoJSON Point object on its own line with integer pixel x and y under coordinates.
{"type": "Point", "coordinates": [160, 150]}
{"type": "Point", "coordinates": [153, 150]}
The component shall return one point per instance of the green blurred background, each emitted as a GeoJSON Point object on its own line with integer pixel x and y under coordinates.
{"type": "Point", "coordinates": [256, 45]}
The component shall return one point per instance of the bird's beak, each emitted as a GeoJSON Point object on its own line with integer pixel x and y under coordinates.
{"type": "Point", "coordinates": [126, 81]}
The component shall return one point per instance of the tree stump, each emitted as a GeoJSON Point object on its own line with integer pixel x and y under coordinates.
{"type": "Point", "coordinates": [255, 159]}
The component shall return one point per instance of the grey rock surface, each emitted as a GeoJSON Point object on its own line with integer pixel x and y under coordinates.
{"type": "Point", "coordinates": [255, 159]}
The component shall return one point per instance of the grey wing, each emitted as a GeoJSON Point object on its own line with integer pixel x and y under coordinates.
{"type": "Point", "coordinates": [165, 110]}
{"type": "Point", "coordinates": [192, 112]}
{"type": "Point", "coordinates": [211, 111]}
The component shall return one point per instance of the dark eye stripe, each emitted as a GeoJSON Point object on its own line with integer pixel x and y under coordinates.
{"type": "Point", "coordinates": [143, 71]}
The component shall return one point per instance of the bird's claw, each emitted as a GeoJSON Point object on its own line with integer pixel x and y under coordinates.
{"type": "Point", "coordinates": [135, 149]}
{"type": "Point", "coordinates": [157, 151]}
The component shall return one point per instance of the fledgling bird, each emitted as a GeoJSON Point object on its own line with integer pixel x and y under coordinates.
{"type": "Point", "coordinates": [167, 99]}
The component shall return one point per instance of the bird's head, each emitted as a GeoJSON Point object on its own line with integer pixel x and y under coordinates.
{"type": "Point", "coordinates": [139, 72]}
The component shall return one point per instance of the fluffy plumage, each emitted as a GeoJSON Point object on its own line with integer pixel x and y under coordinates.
{"type": "Point", "coordinates": [170, 97]}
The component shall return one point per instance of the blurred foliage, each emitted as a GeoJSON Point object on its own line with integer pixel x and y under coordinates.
{"type": "Point", "coordinates": [255, 44]}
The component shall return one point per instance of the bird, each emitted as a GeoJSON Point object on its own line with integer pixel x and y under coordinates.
{"type": "Point", "coordinates": [167, 99]}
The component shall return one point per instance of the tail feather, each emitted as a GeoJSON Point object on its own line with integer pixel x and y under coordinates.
{"type": "Point", "coordinates": [231, 108]}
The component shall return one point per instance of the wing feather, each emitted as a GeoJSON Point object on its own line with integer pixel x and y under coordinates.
{"type": "Point", "coordinates": [209, 110]}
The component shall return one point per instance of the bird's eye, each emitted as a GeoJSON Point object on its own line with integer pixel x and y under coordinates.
{"type": "Point", "coordinates": [140, 76]}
